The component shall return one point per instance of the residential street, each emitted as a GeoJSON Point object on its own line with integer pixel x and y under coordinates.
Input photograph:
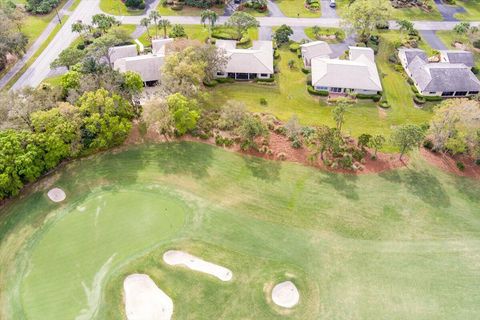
{"type": "Point", "coordinates": [87, 8]}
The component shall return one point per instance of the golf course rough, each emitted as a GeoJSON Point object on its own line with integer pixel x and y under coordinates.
{"type": "Point", "coordinates": [402, 244]}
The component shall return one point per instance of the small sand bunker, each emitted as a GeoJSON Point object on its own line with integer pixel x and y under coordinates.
{"type": "Point", "coordinates": [285, 294]}
{"type": "Point", "coordinates": [56, 195]}
{"type": "Point", "coordinates": [174, 258]}
{"type": "Point", "coordinates": [144, 300]}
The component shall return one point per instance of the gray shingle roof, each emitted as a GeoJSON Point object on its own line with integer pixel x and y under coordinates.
{"type": "Point", "coordinates": [458, 56]}
{"type": "Point", "coordinates": [411, 54]}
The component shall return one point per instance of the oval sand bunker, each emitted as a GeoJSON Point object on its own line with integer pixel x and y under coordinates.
{"type": "Point", "coordinates": [144, 300]}
{"type": "Point", "coordinates": [175, 257]}
{"type": "Point", "coordinates": [285, 294]}
{"type": "Point", "coordinates": [56, 195]}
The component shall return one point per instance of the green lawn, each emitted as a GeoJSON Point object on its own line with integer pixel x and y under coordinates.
{"type": "Point", "coordinates": [450, 37]}
{"type": "Point", "coordinates": [296, 8]}
{"type": "Point", "coordinates": [186, 11]}
{"type": "Point", "coordinates": [194, 32]}
{"type": "Point", "coordinates": [118, 8]}
{"type": "Point", "coordinates": [397, 245]}
{"type": "Point", "coordinates": [326, 32]}
{"type": "Point", "coordinates": [404, 13]}
{"type": "Point", "coordinates": [473, 10]}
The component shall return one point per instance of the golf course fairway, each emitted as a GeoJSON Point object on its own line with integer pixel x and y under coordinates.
{"type": "Point", "coordinates": [403, 244]}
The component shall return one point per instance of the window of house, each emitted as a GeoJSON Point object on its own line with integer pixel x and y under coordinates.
{"type": "Point", "coordinates": [264, 75]}
{"type": "Point", "coordinates": [432, 92]}
{"type": "Point", "coordinates": [336, 90]}
{"type": "Point", "coordinates": [321, 88]}
{"type": "Point", "coordinates": [220, 73]}
{"type": "Point", "coordinates": [473, 92]}
{"type": "Point", "coordinates": [460, 93]}
{"type": "Point", "coordinates": [447, 94]}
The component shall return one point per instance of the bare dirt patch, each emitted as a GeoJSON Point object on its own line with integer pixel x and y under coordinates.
{"type": "Point", "coordinates": [449, 163]}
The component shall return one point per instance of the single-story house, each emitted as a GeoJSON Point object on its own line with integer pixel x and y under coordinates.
{"type": "Point", "coordinates": [158, 45]}
{"type": "Point", "coordinates": [121, 52]}
{"type": "Point", "coordinates": [443, 79]}
{"type": "Point", "coordinates": [315, 49]}
{"type": "Point", "coordinates": [247, 64]}
{"type": "Point", "coordinates": [359, 74]}
{"type": "Point", "coordinates": [148, 66]}
{"type": "Point", "coordinates": [457, 56]}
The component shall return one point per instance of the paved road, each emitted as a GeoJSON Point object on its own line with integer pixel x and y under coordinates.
{"type": "Point", "coordinates": [87, 8]}
{"type": "Point", "coordinates": [33, 49]}
{"type": "Point", "coordinates": [431, 38]}
{"type": "Point", "coordinates": [448, 11]}
{"type": "Point", "coordinates": [328, 12]}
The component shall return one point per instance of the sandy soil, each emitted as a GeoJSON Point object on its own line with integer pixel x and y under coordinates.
{"type": "Point", "coordinates": [175, 258]}
{"type": "Point", "coordinates": [144, 300]}
{"type": "Point", "coordinates": [449, 164]}
{"type": "Point", "coordinates": [56, 195]}
{"type": "Point", "coordinates": [285, 294]}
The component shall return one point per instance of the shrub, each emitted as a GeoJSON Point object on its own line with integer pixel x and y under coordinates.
{"type": "Point", "coordinates": [460, 166]}
{"type": "Point", "coordinates": [384, 104]}
{"type": "Point", "coordinates": [177, 7]}
{"type": "Point", "coordinates": [477, 162]}
{"type": "Point", "coordinates": [225, 80]}
{"type": "Point", "coordinates": [476, 43]}
{"type": "Point", "coordinates": [433, 98]}
{"type": "Point", "coordinates": [81, 46]}
{"type": "Point", "coordinates": [428, 144]}
{"type": "Point", "coordinates": [296, 143]}
{"type": "Point", "coordinates": [276, 55]}
{"type": "Point", "coordinates": [268, 80]}
{"type": "Point", "coordinates": [374, 97]}
{"type": "Point", "coordinates": [281, 156]}
{"type": "Point", "coordinates": [210, 84]}
{"type": "Point", "coordinates": [263, 101]}
{"type": "Point", "coordinates": [312, 90]}
{"type": "Point", "coordinates": [419, 99]}
{"type": "Point", "coordinates": [306, 71]}
{"type": "Point", "coordinates": [475, 70]}
{"type": "Point", "coordinates": [294, 47]}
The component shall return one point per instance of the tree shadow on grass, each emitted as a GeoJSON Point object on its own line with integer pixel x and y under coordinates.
{"type": "Point", "coordinates": [187, 158]}
{"type": "Point", "coordinates": [345, 184]}
{"type": "Point", "coordinates": [469, 188]}
{"type": "Point", "coordinates": [262, 169]}
{"type": "Point", "coordinates": [427, 187]}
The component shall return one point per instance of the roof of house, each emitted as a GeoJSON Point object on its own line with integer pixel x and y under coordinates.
{"type": "Point", "coordinates": [315, 49]}
{"type": "Point", "coordinates": [411, 54]}
{"type": "Point", "coordinates": [360, 73]}
{"type": "Point", "coordinates": [147, 66]}
{"type": "Point", "coordinates": [257, 59]}
{"type": "Point", "coordinates": [444, 77]}
{"type": "Point", "coordinates": [439, 77]}
{"type": "Point", "coordinates": [356, 52]}
{"type": "Point", "coordinates": [458, 56]}
{"type": "Point", "coordinates": [122, 52]}
{"type": "Point", "coordinates": [158, 45]}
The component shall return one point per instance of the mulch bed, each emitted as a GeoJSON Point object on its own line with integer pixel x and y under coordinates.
{"type": "Point", "coordinates": [449, 163]}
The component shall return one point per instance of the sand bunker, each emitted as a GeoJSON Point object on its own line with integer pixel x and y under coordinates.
{"type": "Point", "coordinates": [144, 300]}
{"type": "Point", "coordinates": [285, 294]}
{"type": "Point", "coordinates": [56, 195]}
{"type": "Point", "coordinates": [174, 258]}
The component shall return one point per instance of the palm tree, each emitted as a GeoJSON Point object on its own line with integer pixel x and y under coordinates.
{"type": "Point", "coordinates": [164, 23]}
{"type": "Point", "coordinates": [146, 23]}
{"type": "Point", "coordinates": [79, 27]}
{"type": "Point", "coordinates": [212, 18]}
{"type": "Point", "coordinates": [155, 16]}
{"type": "Point", "coordinates": [316, 31]}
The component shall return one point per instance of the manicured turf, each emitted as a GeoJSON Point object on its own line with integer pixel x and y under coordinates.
{"type": "Point", "coordinates": [186, 11]}
{"type": "Point", "coordinates": [403, 13]}
{"type": "Point", "coordinates": [296, 8]}
{"type": "Point", "coordinates": [118, 8]}
{"type": "Point", "coordinates": [473, 10]}
{"type": "Point", "coordinates": [402, 244]}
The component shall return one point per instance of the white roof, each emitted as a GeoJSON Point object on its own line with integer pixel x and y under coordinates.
{"type": "Point", "coordinates": [356, 52]}
{"type": "Point", "coordinates": [315, 49]}
{"type": "Point", "coordinates": [360, 73]}
{"type": "Point", "coordinates": [122, 52]}
{"type": "Point", "coordinates": [158, 45]}
{"type": "Point", "coordinates": [147, 66]}
{"type": "Point", "coordinates": [257, 59]}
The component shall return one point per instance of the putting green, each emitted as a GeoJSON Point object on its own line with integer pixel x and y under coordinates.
{"type": "Point", "coordinates": [402, 244]}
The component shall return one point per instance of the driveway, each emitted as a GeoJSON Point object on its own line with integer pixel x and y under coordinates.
{"type": "Point", "coordinates": [328, 12]}
{"type": "Point", "coordinates": [448, 11]}
{"type": "Point", "coordinates": [431, 38]}
{"type": "Point", "coordinates": [339, 49]}
{"type": "Point", "coordinates": [298, 34]}
{"type": "Point", "coordinates": [274, 10]}
{"type": "Point", "coordinates": [265, 33]}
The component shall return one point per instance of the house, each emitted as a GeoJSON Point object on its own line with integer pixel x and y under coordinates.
{"type": "Point", "coordinates": [315, 49]}
{"type": "Point", "coordinates": [358, 74]}
{"type": "Point", "coordinates": [247, 64]}
{"type": "Point", "coordinates": [445, 79]}
{"type": "Point", "coordinates": [457, 56]}
{"type": "Point", "coordinates": [148, 66]}
{"type": "Point", "coordinates": [120, 52]}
